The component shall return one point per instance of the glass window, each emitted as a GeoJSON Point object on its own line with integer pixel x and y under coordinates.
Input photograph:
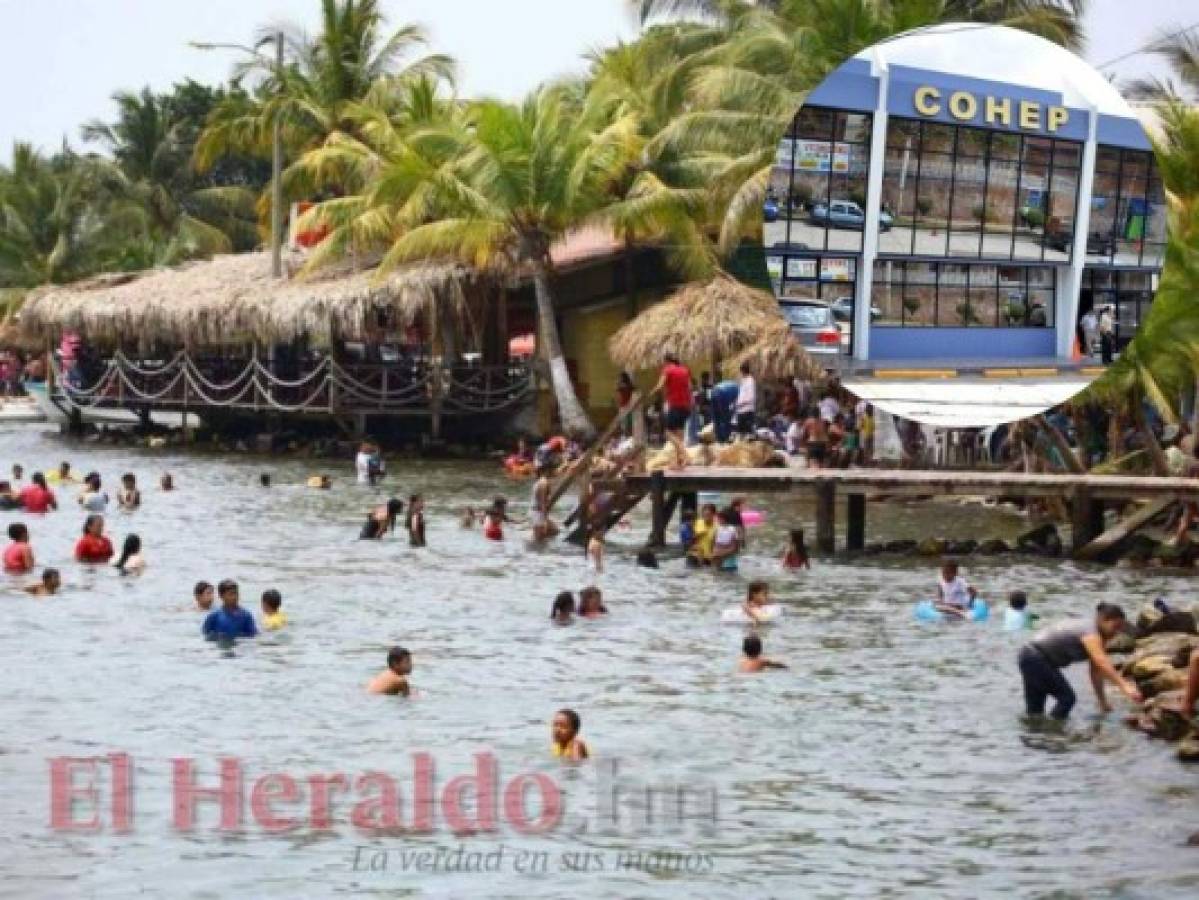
{"type": "Point", "coordinates": [1059, 215]}
{"type": "Point", "coordinates": [999, 225]}
{"type": "Point", "coordinates": [951, 295]}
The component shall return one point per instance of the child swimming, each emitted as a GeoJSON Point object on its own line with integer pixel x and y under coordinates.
{"type": "Point", "coordinates": [49, 585]}
{"type": "Point", "coordinates": [494, 519]}
{"type": "Point", "coordinates": [204, 594]}
{"type": "Point", "coordinates": [796, 556]}
{"type": "Point", "coordinates": [18, 556]}
{"type": "Point", "coordinates": [1017, 616]}
{"type": "Point", "coordinates": [272, 618]}
{"type": "Point", "coordinates": [591, 603]}
{"type": "Point", "coordinates": [567, 743]}
{"type": "Point", "coordinates": [954, 595]}
{"type": "Point", "coordinates": [563, 610]}
{"type": "Point", "coordinates": [757, 594]}
{"type": "Point", "coordinates": [752, 659]}
{"type": "Point", "coordinates": [394, 679]}
{"type": "Point", "coordinates": [131, 560]}
{"type": "Point", "coordinates": [725, 543]}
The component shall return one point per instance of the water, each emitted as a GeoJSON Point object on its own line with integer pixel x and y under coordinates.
{"type": "Point", "coordinates": [889, 761]}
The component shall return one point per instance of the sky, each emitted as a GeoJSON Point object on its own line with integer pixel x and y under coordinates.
{"type": "Point", "coordinates": [61, 60]}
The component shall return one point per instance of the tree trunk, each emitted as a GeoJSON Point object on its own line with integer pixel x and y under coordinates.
{"type": "Point", "coordinates": [574, 419]}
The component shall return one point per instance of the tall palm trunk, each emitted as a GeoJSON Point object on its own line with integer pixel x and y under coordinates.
{"type": "Point", "coordinates": [574, 419]}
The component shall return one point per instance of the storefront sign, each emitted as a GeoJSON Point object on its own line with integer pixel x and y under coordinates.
{"type": "Point", "coordinates": [967, 107]}
{"type": "Point", "coordinates": [813, 156]}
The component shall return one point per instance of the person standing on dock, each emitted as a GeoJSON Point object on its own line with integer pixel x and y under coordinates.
{"type": "Point", "coordinates": [675, 385]}
{"type": "Point", "coordinates": [1042, 659]}
{"type": "Point", "coordinates": [747, 402]}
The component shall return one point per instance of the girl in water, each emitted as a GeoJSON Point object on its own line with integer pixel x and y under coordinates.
{"type": "Point", "coordinates": [726, 544]}
{"type": "Point", "coordinates": [563, 610]}
{"type": "Point", "coordinates": [94, 546]}
{"type": "Point", "coordinates": [494, 519]}
{"type": "Point", "coordinates": [129, 497]}
{"type": "Point", "coordinates": [796, 556]}
{"type": "Point", "coordinates": [18, 556]}
{"type": "Point", "coordinates": [131, 561]}
{"type": "Point", "coordinates": [591, 603]}
{"type": "Point", "coordinates": [381, 520]}
{"type": "Point", "coordinates": [415, 522]}
{"type": "Point", "coordinates": [567, 743]}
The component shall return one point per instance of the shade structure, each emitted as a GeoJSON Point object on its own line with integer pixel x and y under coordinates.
{"type": "Point", "coordinates": [701, 322]}
{"type": "Point", "coordinates": [780, 354]}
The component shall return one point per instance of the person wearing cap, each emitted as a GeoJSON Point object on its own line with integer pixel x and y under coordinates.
{"type": "Point", "coordinates": [549, 455]}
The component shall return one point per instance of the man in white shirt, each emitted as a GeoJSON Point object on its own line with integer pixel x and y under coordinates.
{"type": "Point", "coordinates": [1090, 326]}
{"type": "Point", "coordinates": [1107, 335]}
{"type": "Point", "coordinates": [747, 402]}
{"type": "Point", "coordinates": [829, 407]}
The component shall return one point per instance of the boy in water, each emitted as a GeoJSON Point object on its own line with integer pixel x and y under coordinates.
{"type": "Point", "coordinates": [954, 595]}
{"type": "Point", "coordinates": [752, 659]}
{"type": "Point", "coordinates": [567, 743]}
{"type": "Point", "coordinates": [49, 585]}
{"type": "Point", "coordinates": [272, 618]}
{"type": "Point", "coordinates": [205, 594]}
{"type": "Point", "coordinates": [129, 497]}
{"type": "Point", "coordinates": [1017, 617]}
{"type": "Point", "coordinates": [394, 679]}
{"type": "Point", "coordinates": [757, 595]}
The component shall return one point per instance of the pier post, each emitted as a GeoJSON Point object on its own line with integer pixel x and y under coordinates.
{"type": "Point", "coordinates": [1086, 519]}
{"type": "Point", "coordinates": [855, 525]}
{"type": "Point", "coordinates": [657, 495]}
{"type": "Point", "coordinates": [826, 517]}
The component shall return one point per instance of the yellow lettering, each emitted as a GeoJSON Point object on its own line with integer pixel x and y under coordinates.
{"type": "Point", "coordinates": [1057, 116]}
{"type": "Point", "coordinates": [999, 111]}
{"type": "Point", "coordinates": [962, 105]}
{"type": "Point", "coordinates": [924, 101]}
{"type": "Point", "coordinates": [1030, 114]}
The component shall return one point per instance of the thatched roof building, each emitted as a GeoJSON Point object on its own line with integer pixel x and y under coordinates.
{"type": "Point", "coordinates": [779, 354]}
{"type": "Point", "coordinates": [703, 321]}
{"type": "Point", "coordinates": [233, 301]}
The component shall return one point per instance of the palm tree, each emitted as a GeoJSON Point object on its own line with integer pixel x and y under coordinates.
{"type": "Point", "coordinates": [1180, 49]}
{"type": "Point", "coordinates": [152, 147]}
{"type": "Point", "coordinates": [351, 60]}
{"type": "Point", "coordinates": [498, 193]}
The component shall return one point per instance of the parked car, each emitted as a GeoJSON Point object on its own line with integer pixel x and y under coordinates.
{"type": "Point", "coordinates": [845, 214]}
{"type": "Point", "coordinates": [789, 247]}
{"type": "Point", "coordinates": [812, 321]}
{"type": "Point", "coordinates": [1059, 238]}
{"type": "Point", "coordinates": [770, 210]}
{"type": "Point", "coordinates": [842, 309]}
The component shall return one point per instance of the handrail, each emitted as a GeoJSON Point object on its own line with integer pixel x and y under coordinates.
{"type": "Point", "coordinates": [576, 468]}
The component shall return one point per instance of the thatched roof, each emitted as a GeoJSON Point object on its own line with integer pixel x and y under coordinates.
{"type": "Point", "coordinates": [701, 322]}
{"type": "Point", "coordinates": [779, 354]}
{"type": "Point", "coordinates": [233, 300]}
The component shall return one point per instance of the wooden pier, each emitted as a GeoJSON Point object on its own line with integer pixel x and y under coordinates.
{"type": "Point", "coordinates": [1088, 494]}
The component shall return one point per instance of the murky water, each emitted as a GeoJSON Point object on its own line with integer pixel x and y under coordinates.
{"type": "Point", "coordinates": [889, 761]}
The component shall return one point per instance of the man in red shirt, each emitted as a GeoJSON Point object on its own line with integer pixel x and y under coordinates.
{"type": "Point", "coordinates": [675, 385]}
{"type": "Point", "coordinates": [37, 498]}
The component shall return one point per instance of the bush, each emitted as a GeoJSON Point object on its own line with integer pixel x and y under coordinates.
{"type": "Point", "coordinates": [980, 213]}
{"type": "Point", "coordinates": [1034, 218]}
{"type": "Point", "coordinates": [923, 206]}
{"type": "Point", "coordinates": [966, 313]}
{"type": "Point", "coordinates": [911, 304]}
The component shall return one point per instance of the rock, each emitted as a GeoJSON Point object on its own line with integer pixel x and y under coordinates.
{"type": "Point", "coordinates": [1167, 645]}
{"type": "Point", "coordinates": [1176, 621]}
{"type": "Point", "coordinates": [1043, 539]}
{"type": "Point", "coordinates": [903, 546]}
{"type": "Point", "coordinates": [1124, 642]}
{"type": "Point", "coordinates": [931, 547]}
{"type": "Point", "coordinates": [1162, 717]}
{"type": "Point", "coordinates": [1165, 681]}
{"type": "Point", "coordinates": [961, 548]}
{"type": "Point", "coordinates": [1146, 667]}
{"type": "Point", "coordinates": [993, 547]}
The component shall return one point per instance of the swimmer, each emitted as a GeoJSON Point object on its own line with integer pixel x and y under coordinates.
{"type": "Point", "coordinates": [591, 603]}
{"type": "Point", "coordinates": [705, 537]}
{"type": "Point", "coordinates": [48, 586]}
{"type": "Point", "coordinates": [131, 560]}
{"type": "Point", "coordinates": [954, 595]}
{"type": "Point", "coordinates": [563, 610]}
{"type": "Point", "coordinates": [18, 556]}
{"type": "Point", "coordinates": [381, 520]}
{"type": "Point", "coordinates": [796, 556]}
{"type": "Point", "coordinates": [94, 546]}
{"type": "Point", "coordinates": [1017, 616]}
{"type": "Point", "coordinates": [756, 596]}
{"type": "Point", "coordinates": [91, 497]}
{"type": "Point", "coordinates": [415, 521]}
{"type": "Point", "coordinates": [129, 497]}
{"type": "Point", "coordinates": [752, 659]}
{"type": "Point", "coordinates": [63, 474]}
{"type": "Point", "coordinates": [595, 551]}
{"type": "Point", "coordinates": [264, 479]}
{"type": "Point", "coordinates": [394, 679]}
{"type": "Point", "coordinates": [543, 527]}
{"type": "Point", "coordinates": [726, 542]}
{"type": "Point", "coordinates": [37, 497]}
{"type": "Point", "coordinates": [494, 519]}
{"type": "Point", "coordinates": [230, 621]}
{"type": "Point", "coordinates": [565, 730]}
{"type": "Point", "coordinates": [469, 516]}
{"type": "Point", "coordinates": [166, 482]}
{"type": "Point", "coordinates": [9, 498]}
{"type": "Point", "coordinates": [272, 618]}
{"type": "Point", "coordinates": [204, 594]}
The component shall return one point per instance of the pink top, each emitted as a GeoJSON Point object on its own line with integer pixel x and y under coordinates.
{"type": "Point", "coordinates": [18, 558]}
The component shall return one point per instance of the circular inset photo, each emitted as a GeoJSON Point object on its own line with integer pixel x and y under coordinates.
{"type": "Point", "coordinates": [966, 223]}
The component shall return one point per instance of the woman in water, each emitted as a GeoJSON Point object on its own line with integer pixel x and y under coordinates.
{"type": "Point", "coordinates": [18, 556]}
{"type": "Point", "coordinates": [494, 519]}
{"type": "Point", "coordinates": [796, 556]}
{"type": "Point", "coordinates": [381, 520]}
{"type": "Point", "coordinates": [91, 497]}
{"type": "Point", "coordinates": [131, 560]}
{"type": "Point", "coordinates": [1051, 649]}
{"type": "Point", "coordinates": [591, 603]}
{"type": "Point", "coordinates": [94, 546]}
{"type": "Point", "coordinates": [415, 521]}
{"type": "Point", "coordinates": [567, 743]}
{"type": "Point", "coordinates": [563, 610]}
